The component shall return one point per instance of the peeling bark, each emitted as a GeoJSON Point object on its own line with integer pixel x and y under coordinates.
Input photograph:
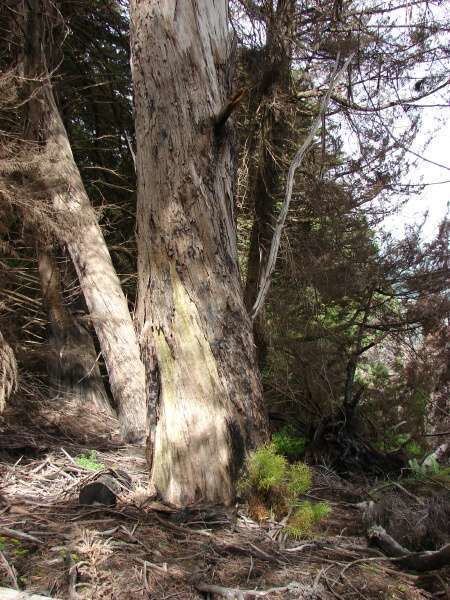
{"type": "Point", "coordinates": [193, 321]}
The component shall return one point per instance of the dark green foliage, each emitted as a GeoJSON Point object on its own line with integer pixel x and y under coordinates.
{"type": "Point", "coordinates": [288, 444]}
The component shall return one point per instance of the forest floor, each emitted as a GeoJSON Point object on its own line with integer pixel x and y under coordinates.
{"type": "Point", "coordinates": [140, 548]}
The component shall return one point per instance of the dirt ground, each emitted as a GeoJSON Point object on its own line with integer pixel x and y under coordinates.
{"type": "Point", "coordinates": [140, 548]}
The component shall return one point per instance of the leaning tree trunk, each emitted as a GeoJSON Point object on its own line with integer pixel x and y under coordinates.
{"type": "Point", "coordinates": [78, 226]}
{"type": "Point", "coordinates": [72, 361]}
{"type": "Point", "coordinates": [8, 372]}
{"type": "Point", "coordinates": [195, 331]}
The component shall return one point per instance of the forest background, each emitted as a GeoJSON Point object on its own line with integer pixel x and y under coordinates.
{"type": "Point", "coordinates": [352, 336]}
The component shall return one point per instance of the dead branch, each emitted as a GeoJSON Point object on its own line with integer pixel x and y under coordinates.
{"type": "Point", "coordinates": [237, 594]}
{"type": "Point", "coordinates": [414, 561]}
{"type": "Point", "coordinates": [266, 273]}
{"type": "Point", "coordinates": [13, 533]}
{"type": "Point", "coordinates": [9, 594]}
{"type": "Point", "coordinates": [10, 570]}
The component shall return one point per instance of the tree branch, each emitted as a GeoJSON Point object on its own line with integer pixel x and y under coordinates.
{"type": "Point", "coordinates": [415, 561]}
{"type": "Point", "coordinates": [266, 274]}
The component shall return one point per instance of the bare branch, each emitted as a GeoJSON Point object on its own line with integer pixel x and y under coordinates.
{"type": "Point", "coordinates": [265, 278]}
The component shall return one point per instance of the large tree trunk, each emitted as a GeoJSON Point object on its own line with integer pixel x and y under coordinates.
{"type": "Point", "coordinates": [72, 361]}
{"type": "Point", "coordinates": [195, 331]}
{"type": "Point", "coordinates": [79, 229]}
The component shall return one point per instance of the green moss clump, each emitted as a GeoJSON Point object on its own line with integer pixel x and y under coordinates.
{"type": "Point", "coordinates": [89, 461]}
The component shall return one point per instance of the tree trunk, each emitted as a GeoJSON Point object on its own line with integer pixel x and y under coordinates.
{"type": "Point", "coordinates": [270, 135]}
{"type": "Point", "coordinates": [8, 372]}
{"type": "Point", "coordinates": [195, 331]}
{"type": "Point", "coordinates": [72, 362]}
{"type": "Point", "coordinates": [79, 229]}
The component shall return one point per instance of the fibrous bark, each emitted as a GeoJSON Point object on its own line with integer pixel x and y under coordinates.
{"type": "Point", "coordinates": [78, 227]}
{"type": "Point", "coordinates": [8, 372]}
{"type": "Point", "coordinates": [72, 362]}
{"type": "Point", "coordinates": [195, 331]}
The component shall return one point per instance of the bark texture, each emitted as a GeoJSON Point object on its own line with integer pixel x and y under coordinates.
{"type": "Point", "coordinates": [78, 226]}
{"type": "Point", "coordinates": [8, 372]}
{"type": "Point", "coordinates": [72, 361]}
{"type": "Point", "coordinates": [195, 332]}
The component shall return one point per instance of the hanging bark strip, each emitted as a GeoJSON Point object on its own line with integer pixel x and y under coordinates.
{"type": "Point", "coordinates": [266, 275]}
{"type": "Point", "coordinates": [195, 332]}
{"type": "Point", "coordinates": [77, 223]}
{"type": "Point", "coordinates": [270, 133]}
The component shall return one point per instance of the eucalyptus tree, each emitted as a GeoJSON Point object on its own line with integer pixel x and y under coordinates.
{"type": "Point", "coordinates": [195, 331]}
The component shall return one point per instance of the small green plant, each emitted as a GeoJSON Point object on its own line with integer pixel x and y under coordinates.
{"type": "Point", "coordinates": [429, 469]}
{"type": "Point", "coordinates": [299, 479]}
{"type": "Point", "coordinates": [271, 484]}
{"type": "Point", "coordinates": [322, 510]}
{"type": "Point", "coordinates": [288, 444]}
{"type": "Point", "coordinates": [266, 469]}
{"type": "Point", "coordinates": [89, 461]}
{"type": "Point", "coordinates": [305, 517]}
{"type": "Point", "coordinates": [419, 470]}
{"type": "Point", "coordinates": [413, 449]}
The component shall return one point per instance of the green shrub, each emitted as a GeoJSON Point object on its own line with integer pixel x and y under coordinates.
{"type": "Point", "coordinates": [321, 510]}
{"type": "Point", "coordinates": [302, 521]}
{"type": "Point", "coordinates": [413, 449]}
{"type": "Point", "coordinates": [299, 479]}
{"type": "Point", "coordinates": [89, 461]}
{"type": "Point", "coordinates": [288, 444]}
{"type": "Point", "coordinates": [306, 516]}
{"type": "Point", "coordinates": [270, 484]}
{"type": "Point", "coordinates": [266, 469]}
{"type": "Point", "coordinates": [429, 469]}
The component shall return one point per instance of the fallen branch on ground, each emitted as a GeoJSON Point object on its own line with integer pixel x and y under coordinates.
{"type": "Point", "coordinates": [19, 535]}
{"type": "Point", "coordinates": [414, 561]}
{"type": "Point", "coordinates": [9, 594]}
{"type": "Point", "coordinates": [237, 594]}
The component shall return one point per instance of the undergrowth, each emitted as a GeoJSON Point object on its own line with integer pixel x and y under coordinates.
{"type": "Point", "coordinates": [272, 486]}
{"type": "Point", "coordinates": [89, 461]}
{"type": "Point", "coordinates": [288, 443]}
{"type": "Point", "coordinates": [305, 517]}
